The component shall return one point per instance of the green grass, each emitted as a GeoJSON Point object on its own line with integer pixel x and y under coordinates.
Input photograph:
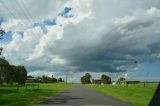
{"type": "Point", "coordinates": [136, 95]}
{"type": "Point", "coordinates": [9, 96]}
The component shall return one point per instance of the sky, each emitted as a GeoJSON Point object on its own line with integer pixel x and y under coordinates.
{"type": "Point", "coordinates": [71, 37]}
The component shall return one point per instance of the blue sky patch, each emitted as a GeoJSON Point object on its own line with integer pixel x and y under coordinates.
{"type": "Point", "coordinates": [7, 37]}
{"type": "Point", "coordinates": [65, 12]}
{"type": "Point", "coordinates": [44, 23]}
{"type": "Point", "coordinates": [49, 22]}
{"type": "Point", "coordinates": [147, 71]}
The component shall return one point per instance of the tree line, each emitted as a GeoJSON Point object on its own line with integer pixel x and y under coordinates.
{"type": "Point", "coordinates": [11, 73]}
{"type": "Point", "coordinates": [86, 79]}
{"type": "Point", "coordinates": [43, 79]}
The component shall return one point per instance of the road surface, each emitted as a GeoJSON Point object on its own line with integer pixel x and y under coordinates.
{"type": "Point", "coordinates": [82, 96]}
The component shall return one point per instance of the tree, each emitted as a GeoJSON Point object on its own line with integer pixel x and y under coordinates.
{"type": "Point", "coordinates": [121, 79]}
{"type": "Point", "coordinates": [105, 79]}
{"type": "Point", "coordinates": [6, 73]}
{"type": "Point", "coordinates": [60, 80]}
{"type": "Point", "coordinates": [88, 75]}
{"type": "Point", "coordinates": [30, 76]}
{"type": "Point", "coordinates": [2, 32]}
{"type": "Point", "coordinates": [83, 80]}
{"type": "Point", "coordinates": [47, 79]}
{"type": "Point", "coordinates": [86, 79]}
{"type": "Point", "coordinates": [54, 79]}
{"type": "Point", "coordinates": [20, 74]}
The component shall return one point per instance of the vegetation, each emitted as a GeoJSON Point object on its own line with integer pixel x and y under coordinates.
{"type": "Point", "coordinates": [10, 96]}
{"type": "Point", "coordinates": [121, 79]}
{"type": "Point", "coordinates": [60, 80]}
{"type": "Point", "coordinates": [43, 79]}
{"type": "Point", "coordinates": [5, 71]}
{"type": "Point", "coordinates": [2, 32]}
{"type": "Point", "coordinates": [86, 79]}
{"type": "Point", "coordinates": [20, 74]}
{"type": "Point", "coordinates": [47, 79]}
{"type": "Point", "coordinates": [10, 74]}
{"type": "Point", "coordinates": [106, 79]}
{"type": "Point", "coordinates": [136, 95]}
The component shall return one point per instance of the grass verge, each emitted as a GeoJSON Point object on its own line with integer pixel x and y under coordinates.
{"type": "Point", "coordinates": [11, 97]}
{"type": "Point", "coordinates": [136, 95]}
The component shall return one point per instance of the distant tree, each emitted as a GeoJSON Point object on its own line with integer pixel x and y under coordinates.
{"type": "Point", "coordinates": [86, 79]}
{"type": "Point", "coordinates": [30, 76]}
{"type": "Point", "coordinates": [54, 79]}
{"type": "Point", "coordinates": [121, 79]}
{"type": "Point", "coordinates": [83, 80]}
{"type": "Point", "coordinates": [46, 79]}
{"type": "Point", "coordinates": [88, 75]}
{"type": "Point", "coordinates": [105, 79]}
{"type": "Point", "coordinates": [60, 80]}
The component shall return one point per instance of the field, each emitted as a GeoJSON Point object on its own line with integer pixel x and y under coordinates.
{"type": "Point", "coordinates": [136, 95]}
{"type": "Point", "coordinates": [11, 97]}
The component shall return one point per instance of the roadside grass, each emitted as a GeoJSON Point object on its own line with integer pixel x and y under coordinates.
{"type": "Point", "coordinates": [9, 96]}
{"type": "Point", "coordinates": [136, 95]}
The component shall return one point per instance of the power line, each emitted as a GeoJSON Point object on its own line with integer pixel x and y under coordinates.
{"type": "Point", "coordinates": [25, 7]}
{"type": "Point", "coordinates": [13, 15]}
{"type": "Point", "coordinates": [3, 4]}
{"type": "Point", "coordinates": [23, 10]}
{"type": "Point", "coordinates": [9, 10]}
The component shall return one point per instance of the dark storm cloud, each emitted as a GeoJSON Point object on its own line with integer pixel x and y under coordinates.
{"type": "Point", "coordinates": [113, 50]}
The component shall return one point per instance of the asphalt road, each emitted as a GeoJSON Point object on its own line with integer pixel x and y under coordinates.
{"type": "Point", "coordinates": [82, 96]}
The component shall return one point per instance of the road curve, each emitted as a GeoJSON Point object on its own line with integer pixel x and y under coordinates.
{"type": "Point", "coordinates": [82, 96]}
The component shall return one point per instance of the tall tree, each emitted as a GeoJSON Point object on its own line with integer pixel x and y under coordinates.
{"type": "Point", "coordinates": [20, 74]}
{"type": "Point", "coordinates": [60, 80]}
{"type": "Point", "coordinates": [83, 80]}
{"type": "Point", "coordinates": [86, 79]}
{"type": "Point", "coordinates": [105, 79]}
{"type": "Point", "coordinates": [6, 73]}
